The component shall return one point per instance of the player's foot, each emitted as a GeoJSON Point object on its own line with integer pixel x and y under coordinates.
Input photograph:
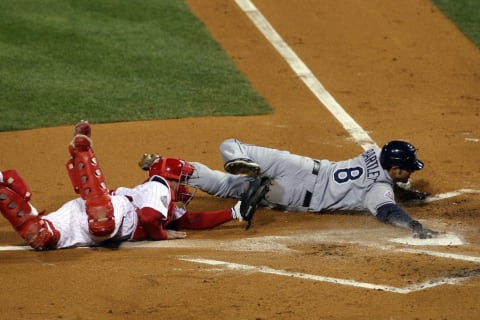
{"type": "Point", "coordinates": [83, 127]}
{"type": "Point", "coordinates": [243, 167]}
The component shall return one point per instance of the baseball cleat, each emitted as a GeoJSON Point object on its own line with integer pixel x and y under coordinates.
{"type": "Point", "coordinates": [243, 167]}
{"type": "Point", "coordinates": [83, 127]}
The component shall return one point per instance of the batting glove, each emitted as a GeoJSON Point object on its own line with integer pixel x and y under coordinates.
{"type": "Point", "coordinates": [236, 211]}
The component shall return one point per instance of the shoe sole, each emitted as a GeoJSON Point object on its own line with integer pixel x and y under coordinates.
{"type": "Point", "coordinates": [243, 168]}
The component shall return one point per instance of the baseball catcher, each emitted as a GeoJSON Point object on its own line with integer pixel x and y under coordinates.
{"type": "Point", "coordinates": [147, 211]}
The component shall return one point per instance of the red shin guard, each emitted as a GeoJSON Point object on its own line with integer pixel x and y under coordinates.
{"type": "Point", "coordinates": [88, 180]}
{"type": "Point", "coordinates": [101, 221]}
{"type": "Point", "coordinates": [38, 233]}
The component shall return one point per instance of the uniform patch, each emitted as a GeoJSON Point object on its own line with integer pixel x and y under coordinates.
{"type": "Point", "coordinates": [164, 200]}
{"type": "Point", "coordinates": [389, 194]}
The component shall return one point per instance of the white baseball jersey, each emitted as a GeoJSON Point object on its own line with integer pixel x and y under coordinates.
{"type": "Point", "coordinates": [72, 223]}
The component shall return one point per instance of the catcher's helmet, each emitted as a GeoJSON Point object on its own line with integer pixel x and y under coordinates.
{"type": "Point", "coordinates": [177, 170]}
{"type": "Point", "coordinates": [400, 154]}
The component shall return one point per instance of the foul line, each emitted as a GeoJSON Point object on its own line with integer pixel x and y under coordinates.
{"type": "Point", "coordinates": [347, 282]}
{"type": "Point", "coordinates": [304, 73]}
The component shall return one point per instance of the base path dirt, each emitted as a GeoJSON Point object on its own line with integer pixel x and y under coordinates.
{"type": "Point", "coordinates": [400, 69]}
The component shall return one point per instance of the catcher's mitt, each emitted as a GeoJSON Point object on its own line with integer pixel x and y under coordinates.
{"type": "Point", "coordinates": [147, 160]}
{"type": "Point", "coordinates": [252, 197]}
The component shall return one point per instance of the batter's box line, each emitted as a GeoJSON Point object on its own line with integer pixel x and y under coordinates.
{"type": "Point", "coordinates": [345, 282]}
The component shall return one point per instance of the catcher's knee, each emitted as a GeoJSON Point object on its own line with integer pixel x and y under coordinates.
{"type": "Point", "coordinates": [40, 234]}
{"type": "Point", "coordinates": [101, 219]}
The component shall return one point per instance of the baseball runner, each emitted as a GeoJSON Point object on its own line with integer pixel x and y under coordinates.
{"type": "Point", "coordinates": [298, 183]}
{"type": "Point", "coordinates": [146, 211]}
{"type": "Point", "coordinates": [294, 183]}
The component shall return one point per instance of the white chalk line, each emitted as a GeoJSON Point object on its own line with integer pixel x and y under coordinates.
{"type": "Point", "coordinates": [450, 194]}
{"type": "Point", "coordinates": [347, 282]}
{"type": "Point", "coordinates": [282, 243]}
{"type": "Point", "coordinates": [305, 74]}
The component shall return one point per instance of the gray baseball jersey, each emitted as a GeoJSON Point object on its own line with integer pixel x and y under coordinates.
{"type": "Point", "coordinates": [305, 184]}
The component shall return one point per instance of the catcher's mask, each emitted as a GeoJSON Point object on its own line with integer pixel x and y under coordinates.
{"type": "Point", "coordinates": [400, 154]}
{"type": "Point", "coordinates": [177, 170]}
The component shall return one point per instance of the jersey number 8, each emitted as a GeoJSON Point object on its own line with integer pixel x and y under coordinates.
{"type": "Point", "coordinates": [347, 174]}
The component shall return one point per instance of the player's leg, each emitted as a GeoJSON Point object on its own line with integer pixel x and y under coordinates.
{"type": "Point", "coordinates": [291, 174]}
{"type": "Point", "coordinates": [40, 234]}
{"type": "Point", "coordinates": [12, 179]}
{"type": "Point", "coordinates": [88, 180]}
{"type": "Point", "coordinates": [237, 160]}
{"type": "Point", "coordinates": [262, 160]}
{"type": "Point", "coordinates": [218, 183]}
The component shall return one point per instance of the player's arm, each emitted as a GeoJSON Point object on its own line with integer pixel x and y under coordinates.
{"type": "Point", "coordinates": [205, 219]}
{"type": "Point", "coordinates": [394, 215]}
{"type": "Point", "coordinates": [152, 221]}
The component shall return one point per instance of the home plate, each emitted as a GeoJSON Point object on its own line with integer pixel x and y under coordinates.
{"type": "Point", "coordinates": [444, 239]}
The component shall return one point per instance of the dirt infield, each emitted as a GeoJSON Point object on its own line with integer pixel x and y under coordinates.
{"type": "Point", "coordinates": [401, 70]}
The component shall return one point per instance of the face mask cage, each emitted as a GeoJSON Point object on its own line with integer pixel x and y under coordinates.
{"type": "Point", "coordinates": [183, 192]}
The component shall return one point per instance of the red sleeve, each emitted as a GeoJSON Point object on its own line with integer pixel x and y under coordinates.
{"type": "Point", "coordinates": [203, 220]}
{"type": "Point", "coordinates": [152, 223]}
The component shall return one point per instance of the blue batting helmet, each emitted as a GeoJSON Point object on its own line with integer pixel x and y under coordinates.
{"type": "Point", "coordinates": [400, 154]}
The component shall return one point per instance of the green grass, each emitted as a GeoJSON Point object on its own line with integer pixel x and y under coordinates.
{"type": "Point", "coordinates": [465, 14]}
{"type": "Point", "coordinates": [113, 60]}
{"type": "Point", "coordinates": [116, 60]}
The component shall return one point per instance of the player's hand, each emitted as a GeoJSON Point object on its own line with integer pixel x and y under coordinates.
{"type": "Point", "coordinates": [425, 233]}
{"type": "Point", "coordinates": [420, 232]}
{"type": "Point", "coordinates": [236, 211]}
{"type": "Point", "coordinates": [403, 194]}
{"type": "Point", "coordinates": [172, 234]}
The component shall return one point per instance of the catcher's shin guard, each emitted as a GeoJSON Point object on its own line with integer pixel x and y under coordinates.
{"type": "Point", "coordinates": [88, 180]}
{"type": "Point", "coordinates": [40, 234]}
{"type": "Point", "coordinates": [12, 179]}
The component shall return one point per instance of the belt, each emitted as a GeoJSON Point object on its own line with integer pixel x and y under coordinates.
{"type": "Point", "coordinates": [308, 194]}
{"type": "Point", "coordinates": [316, 167]}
